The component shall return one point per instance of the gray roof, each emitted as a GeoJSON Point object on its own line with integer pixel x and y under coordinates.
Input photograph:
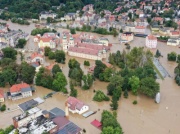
{"type": "Point", "coordinates": [28, 105]}
{"type": "Point", "coordinates": [26, 89]}
{"type": "Point", "coordinates": [57, 112]}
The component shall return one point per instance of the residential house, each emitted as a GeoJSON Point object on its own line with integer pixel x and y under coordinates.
{"type": "Point", "coordinates": [104, 41]}
{"type": "Point", "coordinates": [1, 95]}
{"type": "Point", "coordinates": [47, 42]}
{"type": "Point", "coordinates": [76, 106]}
{"type": "Point", "coordinates": [36, 57]}
{"type": "Point", "coordinates": [130, 28]}
{"type": "Point", "coordinates": [160, 20]}
{"type": "Point", "coordinates": [154, 28]}
{"type": "Point", "coordinates": [19, 91]}
{"type": "Point", "coordinates": [70, 16]}
{"type": "Point", "coordinates": [140, 29]}
{"type": "Point", "coordinates": [151, 41]}
{"type": "Point", "coordinates": [174, 34]}
{"type": "Point", "coordinates": [173, 42]}
{"type": "Point", "coordinates": [45, 15]}
{"type": "Point", "coordinates": [148, 8]}
{"type": "Point", "coordinates": [127, 36]}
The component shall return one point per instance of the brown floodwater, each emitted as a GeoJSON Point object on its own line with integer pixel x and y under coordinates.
{"type": "Point", "coordinates": [146, 117]}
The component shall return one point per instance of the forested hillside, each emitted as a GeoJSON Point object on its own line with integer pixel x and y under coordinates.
{"type": "Point", "coordinates": [31, 8]}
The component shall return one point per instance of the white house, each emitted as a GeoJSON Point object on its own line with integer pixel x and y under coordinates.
{"type": "Point", "coordinates": [140, 29]}
{"type": "Point", "coordinates": [19, 91]}
{"type": "Point", "coordinates": [173, 42]}
{"type": "Point", "coordinates": [45, 15]}
{"type": "Point", "coordinates": [76, 106]}
{"type": "Point", "coordinates": [151, 41]}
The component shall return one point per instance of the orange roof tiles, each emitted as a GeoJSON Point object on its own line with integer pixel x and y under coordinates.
{"type": "Point", "coordinates": [35, 54]}
{"type": "Point", "coordinates": [151, 37]}
{"type": "Point", "coordinates": [18, 87]}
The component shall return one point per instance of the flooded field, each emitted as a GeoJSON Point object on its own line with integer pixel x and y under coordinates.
{"type": "Point", "coordinates": [146, 117]}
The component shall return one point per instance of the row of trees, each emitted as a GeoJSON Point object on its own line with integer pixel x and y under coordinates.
{"type": "Point", "coordinates": [20, 21]}
{"type": "Point", "coordinates": [41, 31]}
{"type": "Point", "coordinates": [58, 55]}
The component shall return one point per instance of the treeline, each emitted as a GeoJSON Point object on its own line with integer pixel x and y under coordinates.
{"type": "Point", "coordinates": [41, 31]}
{"type": "Point", "coordinates": [8, 130]}
{"type": "Point", "coordinates": [31, 9]}
{"type": "Point", "coordinates": [20, 21]}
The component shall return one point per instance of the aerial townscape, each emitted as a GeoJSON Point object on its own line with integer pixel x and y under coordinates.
{"type": "Point", "coordinates": [89, 66]}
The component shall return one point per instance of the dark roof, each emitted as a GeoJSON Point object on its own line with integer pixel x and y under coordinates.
{"type": "Point", "coordinates": [70, 128]}
{"type": "Point", "coordinates": [57, 112]}
{"type": "Point", "coordinates": [45, 112]}
{"type": "Point", "coordinates": [28, 105]}
{"type": "Point", "coordinates": [26, 89]}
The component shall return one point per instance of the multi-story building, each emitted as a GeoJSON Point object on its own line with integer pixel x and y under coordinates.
{"type": "Point", "coordinates": [127, 36]}
{"type": "Point", "coordinates": [151, 41]}
{"type": "Point", "coordinates": [19, 91]}
{"type": "Point", "coordinates": [45, 15]}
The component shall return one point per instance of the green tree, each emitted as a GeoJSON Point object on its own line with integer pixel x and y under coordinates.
{"type": "Point", "coordinates": [134, 82]}
{"type": "Point", "coordinates": [27, 73]}
{"type": "Point", "coordinates": [60, 56]}
{"type": "Point", "coordinates": [49, 19]}
{"type": "Point", "coordinates": [149, 87]}
{"type": "Point", "coordinates": [88, 81]}
{"type": "Point", "coordinates": [100, 96]}
{"type": "Point", "coordinates": [115, 82]}
{"type": "Point", "coordinates": [126, 93]}
{"type": "Point", "coordinates": [86, 63]}
{"type": "Point", "coordinates": [158, 54]}
{"type": "Point", "coordinates": [51, 55]}
{"type": "Point", "coordinates": [3, 107]}
{"type": "Point", "coordinates": [9, 53]}
{"type": "Point", "coordinates": [108, 72]}
{"type": "Point", "coordinates": [99, 68]}
{"type": "Point", "coordinates": [172, 56]}
{"type": "Point", "coordinates": [46, 51]}
{"type": "Point", "coordinates": [73, 31]}
{"type": "Point", "coordinates": [21, 43]}
{"type": "Point", "coordinates": [8, 76]}
{"type": "Point", "coordinates": [130, 15]}
{"type": "Point", "coordinates": [60, 82]}
{"type": "Point", "coordinates": [114, 102]}
{"type": "Point", "coordinates": [73, 90]}
{"type": "Point", "coordinates": [56, 69]}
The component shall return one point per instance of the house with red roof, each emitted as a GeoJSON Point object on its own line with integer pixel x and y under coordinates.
{"type": "Point", "coordinates": [151, 41]}
{"type": "Point", "coordinates": [47, 41]}
{"type": "Point", "coordinates": [140, 29]}
{"type": "Point", "coordinates": [1, 95]}
{"type": "Point", "coordinates": [174, 34]}
{"type": "Point", "coordinates": [76, 106]}
{"type": "Point", "coordinates": [36, 57]}
{"type": "Point", "coordinates": [19, 91]}
{"type": "Point", "coordinates": [158, 19]}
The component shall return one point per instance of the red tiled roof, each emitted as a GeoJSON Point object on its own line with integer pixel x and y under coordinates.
{"type": "Point", "coordinates": [140, 27]}
{"type": "Point", "coordinates": [35, 54]}
{"type": "Point", "coordinates": [18, 87]}
{"type": "Point", "coordinates": [83, 50]}
{"type": "Point", "coordinates": [46, 39]}
{"type": "Point", "coordinates": [175, 32]}
{"type": "Point", "coordinates": [158, 18]}
{"type": "Point", "coordinates": [74, 103]}
{"type": "Point", "coordinates": [50, 66]}
{"type": "Point", "coordinates": [151, 37]}
{"type": "Point", "coordinates": [1, 93]}
{"type": "Point", "coordinates": [93, 46]}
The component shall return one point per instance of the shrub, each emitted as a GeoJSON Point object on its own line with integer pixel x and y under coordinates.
{"type": "Point", "coordinates": [135, 102]}
{"type": "Point", "coordinates": [86, 63]}
{"type": "Point", "coordinates": [3, 107]}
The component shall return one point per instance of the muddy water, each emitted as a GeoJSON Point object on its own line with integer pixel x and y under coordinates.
{"type": "Point", "coordinates": [144, 118]}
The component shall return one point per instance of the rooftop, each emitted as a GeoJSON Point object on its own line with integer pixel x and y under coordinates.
{"type": "Point", "coordinates": [18, 87]}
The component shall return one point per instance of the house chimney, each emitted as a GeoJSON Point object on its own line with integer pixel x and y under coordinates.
{"type": "Point", "coordinates": [66, 110]}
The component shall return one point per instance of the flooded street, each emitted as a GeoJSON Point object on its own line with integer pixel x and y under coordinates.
{"type": "Point", "coordinates": [146, 117]}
